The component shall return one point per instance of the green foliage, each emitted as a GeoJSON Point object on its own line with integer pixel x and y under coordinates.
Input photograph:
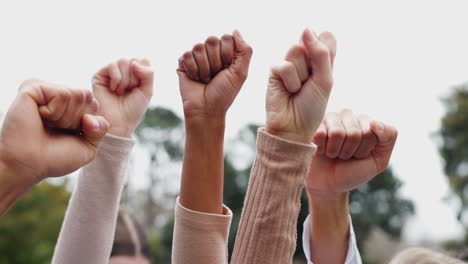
{"type": "Point", "coordinates": [29, 231]}
{"type": "Point", "coordinates": [166, 241]}
{"type": "Point", "coordinates": [377, 204]}
{"type": "Point", "coordinates": [159, 117]}
{"type": "Point", "coordinates": [454, 147]}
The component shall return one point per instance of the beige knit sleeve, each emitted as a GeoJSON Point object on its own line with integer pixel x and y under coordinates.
{"type": "Point", "coordinates": [200, 238]}
{"type": "Point", "coordinates": [88, 229]}
{"type": "Point", "coordinates": [267, 230]}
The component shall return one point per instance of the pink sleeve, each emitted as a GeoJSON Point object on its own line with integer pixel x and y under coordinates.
{"type": "Point", "coordinates": [87, 232]}
{"type": "Point", "coordinates": [200, 237]}
{"type": "Point", "coordinates": [267, 230]}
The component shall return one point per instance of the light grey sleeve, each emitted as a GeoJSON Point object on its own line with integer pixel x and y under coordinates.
{"type": "Point", "coordinates": [88, 229]}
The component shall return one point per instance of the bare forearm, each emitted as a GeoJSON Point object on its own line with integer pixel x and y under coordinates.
{"type": "Point", "coordinates": [329, 228]}
{"type": "Point", "coordinates": [11, 189]}
{"type": "Point", "coordinates": [202, 172]}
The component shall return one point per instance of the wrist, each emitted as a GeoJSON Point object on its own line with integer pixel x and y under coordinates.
{"type": "Point", "coordinates": [205, 125]}
{"type": "Point", "coordinates": [332, 201]}
{"type": "Point", "coordinates": [12, 185]}
{"type": "Point", "coordinates": [125, 132]}
{"type": "Point", "coordinates": [329, 227]}
{"type": "Point", "coordinates": [202, 170]}
{"type": "Point", "coordinates": [329, 215]}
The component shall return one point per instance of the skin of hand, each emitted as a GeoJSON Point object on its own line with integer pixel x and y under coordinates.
{"type": "Point", "coordinates": [124, 89]}
{"type": "Point", "coordinates": [298, 90]}
{"type": "Point", "coordinates": [210, 77]}
{"type": "Point", "coordinates": [32, 149]}
{"type": "Point", "coordinates": [212, 74]}
{"type": "Point", "coordinates": [351, 150]}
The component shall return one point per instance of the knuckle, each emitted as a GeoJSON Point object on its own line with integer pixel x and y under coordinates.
{"type": "Point", "coordinates": [226, 37]}
{"type": "Point", "coordinates": [337, 133]}
{"type": "Point", "coordinates": [296, 49]}
{"type": "Point", "coordinates": [79, 96]}
{"type": "Point", "coordinates": [321, 51]}
{"type": "Point", "coordinates": [212, 41]}
{"type": "Point", "coordinates": [198, 48]}
{"type": "Point", "coordinates": [354, 135]}
{"type": "Point", "coordinates": [123, 61]}
{"type": "Point", "coordinates": [249, 50]}
{"type": "Point", "coordinates": [288, 67]}
{"type": "Point", "coordinates": [29, 84]}
{"type": "Point", "coordinates": [88, 96]}
{"type": "Point", "coordinates": [145, 61]}
{"type": "Point", "coordinates": [187, 55]}
{"type": "Point", "coordinates": [65, 95]}
{"type": "Point", "coordinates": [320, 136]}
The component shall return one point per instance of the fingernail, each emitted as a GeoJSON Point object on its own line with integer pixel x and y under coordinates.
{"type": "Point", "coordinates": [104, 124]}
{"type": "Point", "coordinates": [95, 123]}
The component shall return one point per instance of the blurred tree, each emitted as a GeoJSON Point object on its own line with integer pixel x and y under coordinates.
{"type": "Point", "coordinates": [376, 204]}
{"type": "Point", "coordinates": [379, 205]}
{"type": "Point", "coordinates": [161, 134]}
{"type": "Point", "coordinates": [30, 230]}
{"type": "Point", "coordinates": [454, 148]}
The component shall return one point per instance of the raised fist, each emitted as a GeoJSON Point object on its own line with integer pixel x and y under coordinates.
{"type": "Point", "coordinates": [33, 148]}
{"type": "Point", "coordinates": [124, 90]}
{"type": "Point", "coordinates": [351, 150]}
{"type": "Point", "coordinates": [298, 90]}
{"type": "Point", "coordinates": [211, 75]}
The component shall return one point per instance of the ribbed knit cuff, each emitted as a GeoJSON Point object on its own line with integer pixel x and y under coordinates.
{"type": "Point", "coordinates": [200, 220]}
{"type": "Point", "coordinates": [267, 232]}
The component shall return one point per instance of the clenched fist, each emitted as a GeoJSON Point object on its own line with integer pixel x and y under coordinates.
{"type": "Point", "coordinates": [299, 89]}
{"type": "Point", "coordinates": [49, 131]}
{"type": "Point", "coordinates": [351, 151]}
{"type": "Point", "coordinates": [211, 75]}
{"type": "Point", "coordinates": [124, 89]}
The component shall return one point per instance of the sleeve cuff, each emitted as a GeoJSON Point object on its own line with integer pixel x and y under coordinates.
{"type": "Point", "coordinates": [111, 142]}
{"type": "Point", "coordinates": [200, 220]}
{"type": "Point", "coordinates": [352, 256]}
{"type": "Point", "coordinates": [274, 146]}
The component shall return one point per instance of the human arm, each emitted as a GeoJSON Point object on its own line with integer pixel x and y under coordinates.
{"type": "Point", "coordinates": [210, 77]}
{"type": "Point", "coordinates": [32, 149]}
{"type": "Point", "coordinates": [124, 89]}
{"type": "Point", "coordinates": [351, 151]}
{"type": "Point", "coordinates": [297, 96]}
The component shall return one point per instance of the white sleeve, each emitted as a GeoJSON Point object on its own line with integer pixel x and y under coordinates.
{"type": "Point", "coordinates": [352, 257]}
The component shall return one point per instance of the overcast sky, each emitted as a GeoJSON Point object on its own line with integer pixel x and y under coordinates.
{"type": "Point", "coordinates": [395, 61]}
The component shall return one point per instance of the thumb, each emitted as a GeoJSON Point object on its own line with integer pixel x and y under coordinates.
{"type": "Point", "coordinates": [145, 74]}
{"type": "Point", "coordinates": [243, 54]}
{"type": "Point", "coordinates": [320, 59]}
{"type": "Point", "coordinates": [386, 139]}
{"type": "Point", "coordinates": [94, 129]}
{"type": "Point", "coordinates": [184, 79]}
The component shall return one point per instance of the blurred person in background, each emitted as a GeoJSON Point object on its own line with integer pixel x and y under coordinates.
{"type": "Point", "coordinates": [423, 256]}
{"type": "Point", "coordinates": [131, 245]}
